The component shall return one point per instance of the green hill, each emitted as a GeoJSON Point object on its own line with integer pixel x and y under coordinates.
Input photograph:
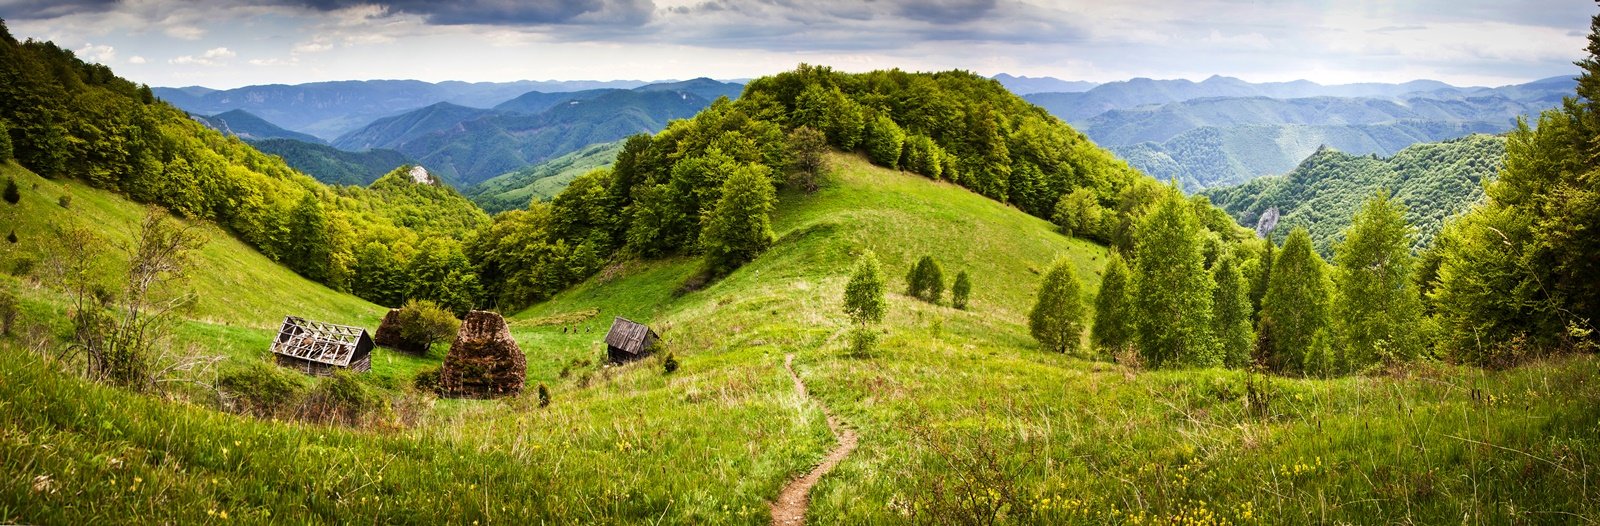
{"type": "Point", "coordinates": [1434, 181]}
{"type": "Point", "coordinates": [953, 401]}
{"type": "Point", "coordinates": [542, 181]}
{"type": "Point", "coordinates": [332, 165]}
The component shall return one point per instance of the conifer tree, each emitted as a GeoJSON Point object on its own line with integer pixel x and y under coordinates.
{"type": "Point", "coordinates": [1296, 307]}
{"type": "Point", "coordinates": [1231, 312]}
{"type": "Point", "coordinates": [1113, 308]}
{"type": "Point", "coordinates": [926, 280]}
{"type": "Point", "coordinates": [1173, 306]}
{"type": "Point", "coordinates": [1057, 318]}
{"type": "Point", "coordinates": [12, 194]}
{"type": "Point", "coordinates": [961, 291]}
{"type": "Point", "coordinates": [1378, 309]}
{"type": "Point", "coordinates": [864, 301]}
{"type": "Point", "coordinates": [740, 226]}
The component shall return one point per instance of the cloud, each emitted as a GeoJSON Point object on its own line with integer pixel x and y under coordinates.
{"type": "Point", "coordinates": [1244, 41]}
{"type": "Point", "coordinates": [212, 57]}
{"type": "Point", "coordinates": [136, 59]}
{"type": "Point", "coordinates": [93, 53]}
{"type": "Point", "coordinates": [47, 9]}
{"type": "Point", "coordinates": [314, 46]}
{"type": "Point", "coordinates": [505, 12]}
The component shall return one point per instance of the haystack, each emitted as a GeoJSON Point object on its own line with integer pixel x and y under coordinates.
{"type": "Point", "coordinates": [484, 362]}
{"type": "Point", "coordinates": [389, 335]}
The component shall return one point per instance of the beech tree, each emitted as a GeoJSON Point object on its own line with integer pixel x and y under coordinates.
{"type": "Point", "coordinates": [310, 251]}
{"type": "Point", "coordinates": [1113, 308]}
{"type": "Point", "coordinates": [864, 301]}
{"type": "Point", "coordinates": [1378, 312]}
{"type": "Point", "coordinates": [1057, 318]}
{"type": "Point", "coordinates": [884, 141]}
{"type": "Point", "coordinates": [740, 226]}
{"type": "Point", "coordinates": [1296, 308]}
{"type": "Point", "coordinates": [1231, 312]}
{"type": "Point", "coordinates": [1173, 306]}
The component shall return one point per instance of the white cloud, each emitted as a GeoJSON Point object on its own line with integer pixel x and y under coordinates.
{"type": "Point", "coordinates": [313, 46]}
{"type": "Point", "coordinates": [102, 54]}
{"type": "Point", "coordinates": [212, 57]}
{"type": "Point", "coordinates": [136, 59]}
{"type": "Point", "coordinates": [291, 61]}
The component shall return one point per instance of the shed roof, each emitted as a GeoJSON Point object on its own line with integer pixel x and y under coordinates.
{"type": "Point", "coordinates": [628, 335]}
{"type": "Point", "coordinates": [320, 342]}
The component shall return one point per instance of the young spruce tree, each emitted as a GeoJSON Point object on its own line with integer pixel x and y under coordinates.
{"type": "Point", "coordinates": [926, 280]}
{"type": "Point", "coordinates": [1057, 318]}
{"type": "Point", "coordinates": [1296, 307]}
{"type": "Point", "coordinates": [1378, 311]}
{"type": "Point", "coordinates": [1113, 308]}
{"type": "Point", "coordinates": [1173, 305]}
{"type": "Point", "coordinates": [1231, 312]}
{"type": "Point", "coordinates": [961, 291]}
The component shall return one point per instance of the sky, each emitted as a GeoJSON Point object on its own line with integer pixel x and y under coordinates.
{"type": "Point", "coordinates": [226, 43]}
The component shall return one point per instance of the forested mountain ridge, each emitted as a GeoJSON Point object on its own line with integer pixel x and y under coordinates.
{"type": "Point", "coordinates": [68, 118]}
{"type": "Point", "coordinates": [541, 181]}
{"type": "Point", "coordinates": [330, 109]}
{"type": "Point", "coordinates": [467, 145]}
{"type": "Point", "coordinates": [1434, 181]}
{"type": "Point", "coordinates": [249, 127]}
{"type": "Point", "coordinates": [332, 165]}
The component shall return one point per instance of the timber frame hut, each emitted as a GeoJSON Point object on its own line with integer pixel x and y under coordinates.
{"type": "Point", "coordinates": [318, 348]}
{"type": "Point", "coordinates": [629, 340]}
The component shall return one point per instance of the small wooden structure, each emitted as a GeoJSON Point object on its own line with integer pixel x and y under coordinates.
{"type": "Point", "coordinates": [318, 348]}
{"type": "Point", "coordinates": [629, 340]}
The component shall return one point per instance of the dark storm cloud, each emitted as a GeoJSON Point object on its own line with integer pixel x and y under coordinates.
{"type": "Point", "coordinates": [947, 11]}
{"type": "Point", "coordinates": [46, 9]}
{"type": "Point", "coordinates": [508, 12]}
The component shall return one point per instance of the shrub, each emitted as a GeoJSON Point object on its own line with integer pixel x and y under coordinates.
{"type": "Point", "coordinates": [12, 194]}
{"type": "Point", "coordinates": [671, 364]}
{"type": "Point", "coordinates": [8, 310]}
{"type": "Point", "coordinates": [862, 340]}
{"type": "Point", "coordinates": [424, 323]}
{"type": "Point", "coordinates": [344, 400]}
{"type": "Point", "coordinates": [544, 396]}
{"type": "Point", "coordinates": [427, 380]}
{"type": "Point", "coordinates": [863, 295]}
{"type": "Point", "coordinates": [261, 389]}
{"type": "Point", "coordinates": [926, 280]}
{"type": "Point", "coordinates": [961, 290]}
{"type": "Point", "coordinates": [65, 201]}
{"type": "Point", "coordinates": [12, 237]}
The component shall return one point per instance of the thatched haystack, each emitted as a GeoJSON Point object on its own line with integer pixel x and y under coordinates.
{"type": "Point", "coordinates": [388, 335]}
{"type": "Point", "coordinates": [484, 362]}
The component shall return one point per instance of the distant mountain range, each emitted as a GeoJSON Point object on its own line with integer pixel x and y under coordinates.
{"type": "Point", "coordinates": [249, 127]}
{"type": "Point", "coordinates": [1224, 131]}
{"type": "Point", "coordinates": [330, 109]}
{"type": "Point", "coordinates": [468, 145]}
{"type": "Point", "coordinates": [1026, 85]}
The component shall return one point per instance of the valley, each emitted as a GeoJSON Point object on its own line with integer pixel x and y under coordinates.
{"type": "Point", "coordinates": [852, 294]}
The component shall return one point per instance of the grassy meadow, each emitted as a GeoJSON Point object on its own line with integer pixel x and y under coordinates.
{"type": "Point", "coordinates": [962, 418]}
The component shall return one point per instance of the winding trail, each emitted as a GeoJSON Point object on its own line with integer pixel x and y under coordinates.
{"type": "Point", "coordinates": [790, 509]}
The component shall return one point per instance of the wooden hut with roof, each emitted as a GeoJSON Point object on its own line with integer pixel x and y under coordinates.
{"type": "Point", "coordinates": [629, 340]}
{"type": "Point", "coordinates": [318, 348]}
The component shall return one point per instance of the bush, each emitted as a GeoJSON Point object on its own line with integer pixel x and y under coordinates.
{"type": "Point", "coordinates": [424, 323]}
{"type": "Point", "coordinates": [12, 237]}
{"type": "Point", "coordinates": [8, 310]}
{"type": "Point", "coordinates": [862, 340]}
{"type": "Point", "coordinates": [65, 201]}
{"type": "Point", "coordinates": [12, 194]}
{"type": "Point", "coordinates": [961, 291]}
{"type": "Point", "coordinates": [926, 280]}
{"type": "Point", "coordinates": [262, 389]}
{"type": "Point", "coordinates": [427, 380]}
{"type": "Point", "coordinates": [671, 364]}
{"type": "Point", "coordinates": [544, 396]}
{"type": "Point", "coordinates": [342, 399]}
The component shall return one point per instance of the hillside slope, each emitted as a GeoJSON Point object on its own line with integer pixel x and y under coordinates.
{"type": "Point", "coordinates": [952, 401]}
{"type": "Point", "coordinates": [542, 181]}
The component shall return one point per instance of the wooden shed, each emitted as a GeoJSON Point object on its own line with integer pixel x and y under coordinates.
{"type": "Point", "coordinates": [629, 340]}
{"type": "Point", "coordinates": [318, 348]}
